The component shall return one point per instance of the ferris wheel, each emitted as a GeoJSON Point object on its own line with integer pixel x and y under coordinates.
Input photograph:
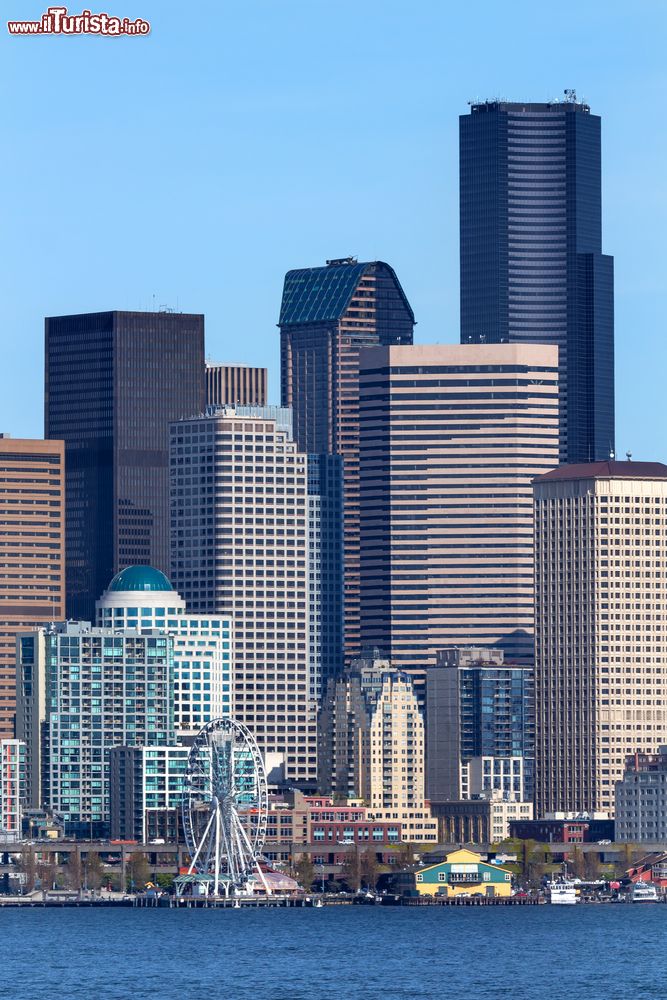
{"type": "Point", "coordinates": [225, 805]}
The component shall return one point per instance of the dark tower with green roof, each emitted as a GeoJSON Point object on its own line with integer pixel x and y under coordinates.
{"type": "Point", "coordinates": [327, 315]}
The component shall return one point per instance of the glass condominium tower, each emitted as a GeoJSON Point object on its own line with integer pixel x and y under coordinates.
{"type": "Point", "coordinates": [532, 270]}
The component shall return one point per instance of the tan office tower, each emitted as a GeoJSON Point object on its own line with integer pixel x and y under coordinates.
{"type": "Point", "coordinates": [451, 437]}
{"type": "Point", "coordinates": [371, 732]}
{"type": "Point", "coordinates": [32, 561]}
{"type": "Point", "coordinates": [235, 385]}
{"type": "Point", "coordinates": [600, 628]}
{"type": "Point", "coordinates": [396, 764]}
{"type": "Point", "coordinates": [239, 535]}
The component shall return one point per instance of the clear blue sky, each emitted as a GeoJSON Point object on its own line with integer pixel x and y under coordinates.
{"type": "Point", "coordinates": [193, 167]}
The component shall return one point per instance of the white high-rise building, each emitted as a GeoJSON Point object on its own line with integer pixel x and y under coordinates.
{"type": "Point", "coordinates": [239, 547]}
{"type": "Point", "coordinates": [13, 789]}
{"type": "Point", "coordinates": [600, 628]}
{"type": "Point", "coordinates": [142, 598]}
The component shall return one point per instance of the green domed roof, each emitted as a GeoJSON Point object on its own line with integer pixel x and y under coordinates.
{"type": "Point", "coordinates": [140, 578]}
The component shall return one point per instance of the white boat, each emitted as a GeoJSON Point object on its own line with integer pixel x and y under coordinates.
{"type": "Point", "coordinates": [643, 892]}
{"type": "Point", "coordinates": [562, 891]}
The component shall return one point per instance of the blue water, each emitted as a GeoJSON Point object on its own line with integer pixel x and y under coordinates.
{"type": "Point", "coordinates": [523, 953]}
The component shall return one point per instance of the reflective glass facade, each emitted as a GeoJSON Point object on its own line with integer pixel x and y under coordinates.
{"type": "Point", "coordinates": [532, 270]}
{"type": "Point", "coordinates": [327, 315]}
{"type": "Point", "coordinates": [202, 648]}
{"type": "Point", "coordinates": [114, 381]}
{"type": "Point", "coordinates": [325, 569]}
{"type": "Point", "coordinates": [80, 691]}
{"type": "Point", "coordinates": [146, 790]}
{"type": "Point", "coordinates": [479, 707]}
{"type": "Point", "coordinates": [495, 712]}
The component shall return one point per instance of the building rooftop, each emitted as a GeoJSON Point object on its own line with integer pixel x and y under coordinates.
{"type": "Point", "coordinates": [231, 364]}
{"type": "Point", "coordinates": [143, 578]}
{"type": "Point", "coordinates": [568, 103]}
{"type": "Point", "coordinates": [606, 470]}
{"type": "Point", "coordinates": [322, 294]}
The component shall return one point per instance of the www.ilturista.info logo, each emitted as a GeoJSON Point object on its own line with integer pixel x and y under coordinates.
{"type": "Point", "coordinates": [56, 21]}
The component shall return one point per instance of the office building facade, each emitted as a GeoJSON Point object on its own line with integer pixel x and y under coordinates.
{"type": "Point", "coordinates": [140, 597]}
{"type": "Point", "coordinates": [80, 691]}
{"type": "Point", "coordinates": [240, 522]}
{"type": "Point", "coordinates": [600, 647]}
{"type": "Point", "coordinates": [114, 381]}
{"type": "Point", "coordinates": [32, 550]}
{"type": "Point", "coordinates": [235, 385]}
{"type": "Point", "coordinates": [480, 726]}
{"type": "Point", "coordinates": [641, 799]}
{"type": "Point", "coordinates": [327, 315]}
{"type": "Point", "coordinates": [146, 787]}
{"type": "Point", "coordinates": [344, 727]}
{"type": "Point", "coordinates": [371, 731]}
{"type": "Point", "coordinates": [485, 819]}
{"type": "Point", "coordinates": [13, 789]}
{"type": "Point", "coordinates": [325, 569]}
{"type": "Point", "coordinates": [532, 270]}
{"type": "Point", "coordinates": [451, 438]}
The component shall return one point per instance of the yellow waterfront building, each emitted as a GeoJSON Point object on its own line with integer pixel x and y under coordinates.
{"type": "Point", "coordinates": [463, 873]}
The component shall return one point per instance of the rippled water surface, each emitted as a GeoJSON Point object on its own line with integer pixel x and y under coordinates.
{"type": "Point", "coordinates": [350, 952]}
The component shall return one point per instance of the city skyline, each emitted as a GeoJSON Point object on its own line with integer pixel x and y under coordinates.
{"type": "Point", "coordinates": [333, 495]}
{"type": "Point", "coordinates": [285, 199]}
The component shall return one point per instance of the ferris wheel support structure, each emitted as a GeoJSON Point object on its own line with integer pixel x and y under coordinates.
{"type": "Point", "coordinates": [225, 785]}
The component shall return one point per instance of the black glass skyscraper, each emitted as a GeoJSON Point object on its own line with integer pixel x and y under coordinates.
{"type": "Point", "coordinates": [113, 383]}
{"type": "Point", "coordinates": [532, 269]}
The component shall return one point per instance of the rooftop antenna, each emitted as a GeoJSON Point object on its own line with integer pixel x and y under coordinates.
{"type": "Point", "coordinates": [628, 455]}
{"type": "Point", "coordinates": [570, 96]}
